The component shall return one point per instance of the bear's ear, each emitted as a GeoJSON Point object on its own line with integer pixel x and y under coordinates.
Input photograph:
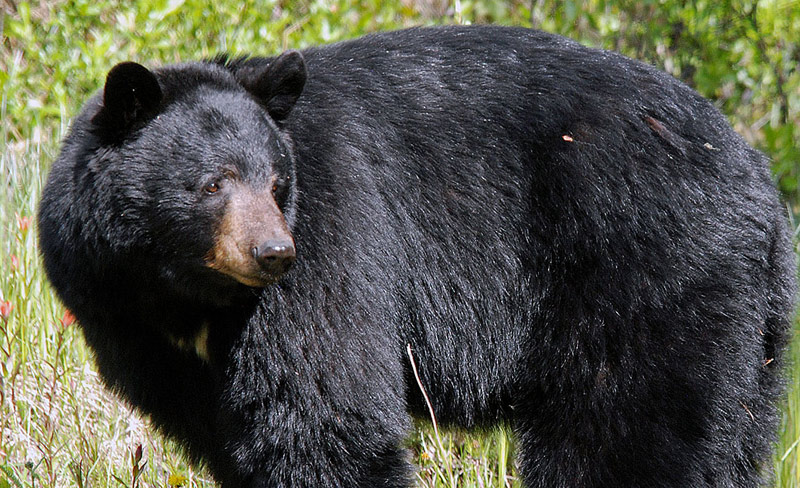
{"type": "Point", "coordinates": [131, 93]}
{"type": "Point", "coordinates": [280, 84]}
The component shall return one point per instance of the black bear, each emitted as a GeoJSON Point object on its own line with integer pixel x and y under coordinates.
{"type": "Point", "coordinates": [570, 242]}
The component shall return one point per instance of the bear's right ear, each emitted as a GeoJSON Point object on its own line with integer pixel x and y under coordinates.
{"type": "Point", "coordinates": [280, 84]}
{"type": "Point", "coordinates": [131, 93]}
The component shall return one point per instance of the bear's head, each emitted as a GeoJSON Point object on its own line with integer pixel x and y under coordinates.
{"type": "Point", "coordinates": [181, 175]}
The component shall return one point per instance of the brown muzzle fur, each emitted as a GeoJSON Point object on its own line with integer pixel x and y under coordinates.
{"type": "Point", "coordinates": [253, 244]}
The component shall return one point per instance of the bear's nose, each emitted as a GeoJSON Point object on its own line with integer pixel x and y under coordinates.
{"type": "Point", "coordinates": [274, 257]}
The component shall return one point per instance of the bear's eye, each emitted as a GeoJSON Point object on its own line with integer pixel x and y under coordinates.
{"type": "Point", "coordinates": [211, 188]}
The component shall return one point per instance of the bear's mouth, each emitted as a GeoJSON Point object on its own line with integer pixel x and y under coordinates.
{"type": "Point", "coordinates": [257, 268]}
{"type": "Point", "coordinates": [259, 280]}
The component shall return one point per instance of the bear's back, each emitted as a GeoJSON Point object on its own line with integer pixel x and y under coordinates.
{"type": "Point", "coordinates": [498, 164]}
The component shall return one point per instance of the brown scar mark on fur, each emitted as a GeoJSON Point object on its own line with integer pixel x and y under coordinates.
{"type": "Point", "coordinates": [251, 218]}
{"type": "Point", "coordinates": [670, 137]}
{"type": "Point", "coordinates": [659, 129]}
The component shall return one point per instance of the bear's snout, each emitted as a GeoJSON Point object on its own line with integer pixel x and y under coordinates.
{"type": "Point", "coordinates": [274, 256]}
{"type": "Point", "coordinates": [253, 244]}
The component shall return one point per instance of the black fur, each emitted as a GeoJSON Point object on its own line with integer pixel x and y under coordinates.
{"type": "Point", "coordinates": [570, 241]}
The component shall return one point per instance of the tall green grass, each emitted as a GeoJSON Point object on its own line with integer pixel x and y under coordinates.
{"type": "Point", "coordinates": [58, 425]}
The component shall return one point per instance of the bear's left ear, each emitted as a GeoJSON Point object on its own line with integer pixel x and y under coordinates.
{"type": "Point", "coordinates": [280, 84]}
{"type": "Point", "coordinates": [131, 94]}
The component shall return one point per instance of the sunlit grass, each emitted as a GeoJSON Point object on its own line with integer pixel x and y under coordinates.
{"type": "Point", "coordinates": [787, 462]}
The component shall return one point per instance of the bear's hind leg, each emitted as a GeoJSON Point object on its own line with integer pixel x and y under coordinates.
{"type": "Point", "coordinates": [610, 406]}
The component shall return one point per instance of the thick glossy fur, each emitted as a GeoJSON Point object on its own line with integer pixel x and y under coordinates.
{"type": "Point", "coordinates": [571, 242]}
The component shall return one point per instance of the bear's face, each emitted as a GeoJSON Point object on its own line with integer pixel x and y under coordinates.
{"type": "Point", "coordinates": [202, 174]}
{"type": "Point", "coordinates": [218, 185]}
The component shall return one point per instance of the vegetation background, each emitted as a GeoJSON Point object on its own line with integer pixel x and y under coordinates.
{"type": "Point", "coordinates": [59, 427]}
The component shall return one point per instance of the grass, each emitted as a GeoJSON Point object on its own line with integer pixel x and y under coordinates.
{"type": "Point", "coordinates": [58, 425]}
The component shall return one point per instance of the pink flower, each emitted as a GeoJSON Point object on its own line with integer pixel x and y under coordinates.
{"type": "Point", "coordinates": [68, 319]}
{"type": "Point", "coordinates": [14, 262]}
{"type": "Point", "coordinates": [5, 309]}
{"type": "Point", "coordinates": [24, 223]}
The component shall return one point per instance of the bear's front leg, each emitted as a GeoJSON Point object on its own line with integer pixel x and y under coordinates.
{"type": "Point", "coordinates": [319, 456]}
{"type": "Point", "coordinates": [313, 406]}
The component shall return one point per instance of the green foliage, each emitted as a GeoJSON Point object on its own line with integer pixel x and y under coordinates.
{"type": "Point", "coordinates": [55, 53]}
{"type": "Point", "coordinates": [59, 426]}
